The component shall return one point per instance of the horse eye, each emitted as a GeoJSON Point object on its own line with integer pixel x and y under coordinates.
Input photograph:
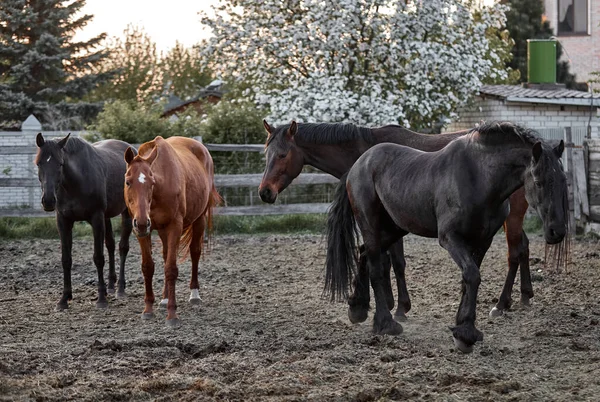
{"type": "Point", "coordinates": [127, 183]}
{"type": "Point", "coordinates": [538, 183]}
{"type": "Point", "coordinates": [281, 156]}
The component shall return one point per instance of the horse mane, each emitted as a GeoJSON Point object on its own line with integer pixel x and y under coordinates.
{"type": "Point", "coordinates": [501, 133]}
{"type": "Point", "coordinates": [326, 133]}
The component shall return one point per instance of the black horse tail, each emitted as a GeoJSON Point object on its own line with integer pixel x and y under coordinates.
{"type": "Point", "coordinates": [342, 235]}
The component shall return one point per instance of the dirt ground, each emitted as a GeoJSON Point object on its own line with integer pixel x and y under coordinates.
{"type": "Point", "coordinates": [264, 332]}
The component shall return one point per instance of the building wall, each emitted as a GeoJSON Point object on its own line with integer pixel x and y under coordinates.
{"type": "Point", "coordinates": [21, 166]}
{"type": "Point", "coordinates": [583, 51]}
{"type": "Point", "coordinates": [536, 116]}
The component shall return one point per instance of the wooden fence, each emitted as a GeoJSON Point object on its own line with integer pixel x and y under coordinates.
{"type": "Point", "coordinates": [221, 181]}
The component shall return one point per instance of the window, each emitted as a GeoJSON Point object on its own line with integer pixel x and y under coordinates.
{"type": "Point", "coordinates": [572, 17]}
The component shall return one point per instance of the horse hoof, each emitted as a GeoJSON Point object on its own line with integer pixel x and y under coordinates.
{"type": "Point", "coordinates": [61, 306]}
{"type": "Point", "coordinates": [110, 291]}
{"type": "Point", "coordinates": [195, 301]}
{"type": "Point", "coordinates": [174, 323]}
{"type": "Point", "coordinates": [525, 302]}
{"type": "Point", "coordinates": [392, 328]}
{"type": "Point", "coordinates": [121, 294]}
{"type": "Point", "coordinates": [102, 304]}
{"type": "Point", "coordinates": [400, 316]}
{"type": "Point", "coordinates": [496, 312]}
{"type": "Point", "coordinates": [357, 314]}
{"type": "Point", "coordinates": [163, 303]}
{"type": "Point", "coordinates": [463, 347]}
{"type": "Point", "coordinates": [147, 316]}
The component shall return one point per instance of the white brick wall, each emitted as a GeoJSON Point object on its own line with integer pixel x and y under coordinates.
{"type": "Point", "coordinates": [529, 115]}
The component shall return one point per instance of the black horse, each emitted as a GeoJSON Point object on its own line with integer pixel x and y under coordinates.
{"type": "Point", "coordinates": [458, 194]}
{"type": "Point", "coordinates": [84, 182]}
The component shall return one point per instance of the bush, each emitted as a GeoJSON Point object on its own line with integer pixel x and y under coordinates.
{"type": "Point", "coordinates": [136, 123]}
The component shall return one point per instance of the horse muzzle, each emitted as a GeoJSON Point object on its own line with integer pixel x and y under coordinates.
{"type": "Point", "coordinates": [142, 230]}
{"type": "Point", "coordinates": [48, 203]}
{"type": "Point", "coordinates": [555, 234]}
{"type": "Point", "coordinates": [267, 195]}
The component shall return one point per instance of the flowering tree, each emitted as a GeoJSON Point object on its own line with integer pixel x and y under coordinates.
{"type": "Point", "coordinates": [363, 61]}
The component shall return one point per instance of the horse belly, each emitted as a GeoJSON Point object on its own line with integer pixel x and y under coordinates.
{"type": "Point", "coordinates": [415, 223]}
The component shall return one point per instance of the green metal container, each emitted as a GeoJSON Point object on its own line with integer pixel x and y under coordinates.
{"type": "Point", "coordinates": [541, 61]}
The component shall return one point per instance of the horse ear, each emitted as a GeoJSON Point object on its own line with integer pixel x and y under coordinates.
{"type": "Point", "coordinates": [293, 128]}
{"type": "Point", "coordinates": [63, 142]}
{"type": "Point", "coordinates": [129, 155]}
{"type": "Point", "coordinates": [153, 154]}
{"type": "Point", "coordinates": [267, 127]}
{"type": "Point", "coordinates": [39, 140]}
{"type": "Point", "coordinates": [537, 151]}
{"type": "Point", "coordinates": [559, 149]}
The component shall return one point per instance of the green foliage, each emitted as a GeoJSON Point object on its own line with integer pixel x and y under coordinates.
{"type": "Point", "coordinates": [502, 44]}
{"type": "Point", "coordinates": [137, 61]}
{"type": "Point", "coordinates": [136, 123]}
{"type": "Point", "coordinates": [234, 123]}
{"type": "Point", "coordinates": [524, 21]}
{"type": "Point", "coordinates": [183, 72]}
{"type": "Point", "coordinates": [42, 70]}
{"type": "Point", "coordinates": [40, 228]}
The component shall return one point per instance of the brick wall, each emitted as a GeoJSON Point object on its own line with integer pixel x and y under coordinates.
{"type": "Point", "coordinates": [21, 166]}
{"type": "Point", "coordinates": [583, 51]}
{"type": "Point", "coordinates": [537, 116]}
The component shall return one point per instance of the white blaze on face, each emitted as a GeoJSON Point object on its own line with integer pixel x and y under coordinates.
{"type": "Point", "coordinates": [142, 178]}
{"type": "Point", "coordinates": [48, 160]}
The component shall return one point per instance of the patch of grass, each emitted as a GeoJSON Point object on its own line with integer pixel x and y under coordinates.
{"type": "Point", "coordinates": [301, 223]}
{"type": "Point", "coordinates": [45, 228]}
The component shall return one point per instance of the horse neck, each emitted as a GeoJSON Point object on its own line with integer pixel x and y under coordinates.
{"type": "Point", "coordinates": [335, 159]}
{"type": "Point", "coordinates": [76, 170]}
{"type": "Point", "coordinates": [424, 142]}
{"type": "Point", "coordinates": [504, 169]}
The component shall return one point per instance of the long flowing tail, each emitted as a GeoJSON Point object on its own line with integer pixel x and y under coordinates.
{"type": "Point", "coordinates": [215, 200]}
{"type": "Point", "coordinates": [342, 237]}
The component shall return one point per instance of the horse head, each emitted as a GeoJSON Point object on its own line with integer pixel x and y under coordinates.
{"type": "Point", "coordinates": [50, 160]}
{"type": "Point", "coordinates": [284, 161]}
{"type": "Point", "coordinates": [139, 184]}
{"type": "Point", "coordinates": [546, 189]}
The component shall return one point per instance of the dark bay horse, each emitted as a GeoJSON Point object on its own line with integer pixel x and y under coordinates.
{"type": "Point", "coordinates": [170, 187]}
{"type": "Point", "coordinates": [458, 194]}
{"type": "Point", "coordinates": [84, 182]}
{"type": "Point", "coordinates": [333, 148]}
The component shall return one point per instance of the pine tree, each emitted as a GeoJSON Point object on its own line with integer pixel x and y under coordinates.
{"type": "Point", "coordinates": [42, 69]}
{"type": "Point", "coordinates": [525, 21]}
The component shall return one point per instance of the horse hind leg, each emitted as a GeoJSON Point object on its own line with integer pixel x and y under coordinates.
{"type": "Point", "coordinates": [195, 253]}
{"type": "Point", "coordinates": [518, 254]}
{"type": "Point", "coordinates": [126, 228]}
{"type": "Point", "coordinates": [98, 228]}
{"type": "Point", "coordinates": [109, 242]}
{"type": "Point", "coordinates": [358, 302]}
{"type": "Point", "coordinates": [165, 299]}
{"type": "Point", "coordinates": [399, 263]}
{"type": "Point", "coordinates": [526, 286]}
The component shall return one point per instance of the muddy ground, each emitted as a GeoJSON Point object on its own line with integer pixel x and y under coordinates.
{"type": "Point", "coordinates": [264, 332]}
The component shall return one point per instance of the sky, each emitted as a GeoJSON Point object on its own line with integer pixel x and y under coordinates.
{"type": "Point", "coordinates": [164, 21]}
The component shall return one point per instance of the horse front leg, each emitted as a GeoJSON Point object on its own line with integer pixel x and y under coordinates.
{"type": "Point", "coordinates": [465, 334]}
{"type": "Point", "coordinates": [65, 230]}
{"type": "Point", "coordinates": [109, 241]}
{"type": "Point", "coordinates": [399, 263]}
{"type": "Point", "coordinates": [126, 228]}
{"type": "Point", "coordinates": [97, 223]}
{"type": "Point", "coordinates": [148, 272]}
{"type": "Point", "coordinates": [171, 236]}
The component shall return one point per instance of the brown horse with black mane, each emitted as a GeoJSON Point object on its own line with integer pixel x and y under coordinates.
{"type": "Point", "coordinates": [334, 148]}
{"type": "Point", "coordinates": [170, 187]}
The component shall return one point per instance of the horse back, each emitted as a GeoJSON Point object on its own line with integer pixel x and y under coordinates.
{"type": "Point", "coordinates": [425, 142]}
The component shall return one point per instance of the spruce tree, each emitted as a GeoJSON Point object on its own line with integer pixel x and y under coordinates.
{"type": "Point", "coordinates": [42, 69]}
{"type": "Point", "coordinates": [525, 21]}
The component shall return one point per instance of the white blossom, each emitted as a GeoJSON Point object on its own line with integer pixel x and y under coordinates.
{"type": "Point", "coordinates": [369, 62]}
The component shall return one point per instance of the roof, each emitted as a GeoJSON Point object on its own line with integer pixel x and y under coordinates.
{"type": "Point", "coordinates": [560, 96]}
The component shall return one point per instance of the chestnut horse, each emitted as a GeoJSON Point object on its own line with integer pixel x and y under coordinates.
{"type": "Point", "coordinates": [333, 148]}
{"type": "Point", "coordinates": [169, 186]}
{"type": "Point", "coordinates": [458, 195]}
